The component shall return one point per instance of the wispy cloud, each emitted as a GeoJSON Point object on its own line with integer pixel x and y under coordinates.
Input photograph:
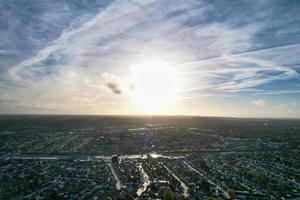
{"type": "Point", "coordinates": [243, 71]}
{"type": "Point", "coordinates": [259, 103]}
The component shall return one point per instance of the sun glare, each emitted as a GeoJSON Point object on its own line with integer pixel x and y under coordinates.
{"type": "Point", "coordinates": [154, 87]}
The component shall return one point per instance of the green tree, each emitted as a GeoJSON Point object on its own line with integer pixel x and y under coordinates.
{"type": "Point", "coordinates": [231, 193]}
{"type": "Point", "coordinates": [168, 194]}
{"type": "Point", "coordinates": [280, 185]}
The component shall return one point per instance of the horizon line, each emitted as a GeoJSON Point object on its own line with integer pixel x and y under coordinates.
{"type": "Point", "coordinates": [146, 115]}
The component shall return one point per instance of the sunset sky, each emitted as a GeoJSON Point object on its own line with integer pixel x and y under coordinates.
{"type": "Point", "coordinates": [183, 57]}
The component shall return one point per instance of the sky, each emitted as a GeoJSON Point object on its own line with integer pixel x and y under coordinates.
{"type": "Point", "coordinates": [226, 58]}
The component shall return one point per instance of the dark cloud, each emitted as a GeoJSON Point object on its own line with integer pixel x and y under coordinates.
{"type": "Point", "coordinates": [114, 87]}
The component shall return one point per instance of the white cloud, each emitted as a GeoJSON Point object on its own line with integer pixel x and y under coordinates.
{"type": "Point", "coordinates": [259, 103]}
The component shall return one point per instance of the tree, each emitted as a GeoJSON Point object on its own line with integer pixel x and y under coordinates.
{"type": "Point", "coordinates": [168, 194]}
{"type": "Point", "coordinates": [212, 198]}
{"type": "Point", "coordinates": [231, 193]}
{"type": "Point", "coordinates": [204, 185]}
{"type": "Point", "coordinates": [280, 185]}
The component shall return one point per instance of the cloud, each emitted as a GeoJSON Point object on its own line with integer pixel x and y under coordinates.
{"type": "Point", "coordinates": [114, 87]}
{"type": "Point", "coordinates": [259, 103]}
{"type": "Point", "coordinates": [30, 106]}
{"type": "Point", "coordinates": [144, 36]}
{"type": "Point", "coordinates": [281, 92]}
{"type": "Point", "coordinates": [241, 72]}
{"type": "Point", "coordinates": [112, 81]}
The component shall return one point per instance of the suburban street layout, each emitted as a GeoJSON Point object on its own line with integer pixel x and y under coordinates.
{"type": "Point", "coordinates": [142, 158]}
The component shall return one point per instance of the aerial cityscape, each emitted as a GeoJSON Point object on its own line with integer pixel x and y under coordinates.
{"type": "Point", "coordinates": [94, 157]}
{"type": "Point", "coordinates": [149, 100]}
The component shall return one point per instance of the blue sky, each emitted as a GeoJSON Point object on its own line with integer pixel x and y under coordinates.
{"type": "Point", "coordinates": [236, 58]}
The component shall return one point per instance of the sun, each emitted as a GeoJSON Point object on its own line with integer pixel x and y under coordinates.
{"type": "Point", "coordinates": [155, 87]}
